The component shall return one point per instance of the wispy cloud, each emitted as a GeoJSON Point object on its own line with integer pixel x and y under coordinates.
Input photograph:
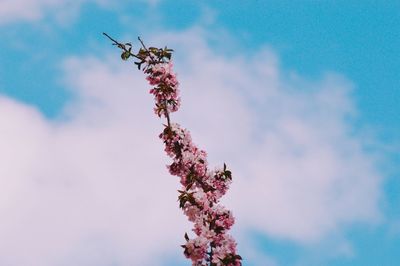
{"type": "Point", "coordinates": [91, 188]}
{"type": "Point", "coordinates": [33, 10]}
{"type": "Point", "coordinates": [12, 11]}
{"type": "Point", "coordinates": [290, 139]}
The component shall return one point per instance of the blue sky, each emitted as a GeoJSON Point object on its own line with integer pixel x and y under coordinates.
{"type": "Point", "coordinates": [314, 86]}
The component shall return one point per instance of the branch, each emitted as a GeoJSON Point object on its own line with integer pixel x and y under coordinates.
{"type": "Point", "coordinates": [121, 46]}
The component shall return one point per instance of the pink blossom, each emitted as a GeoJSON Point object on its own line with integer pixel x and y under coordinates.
{"type": "Point", "coordinates": [201, 188]}
{"type": "Point", "coordinates": [196, 249]}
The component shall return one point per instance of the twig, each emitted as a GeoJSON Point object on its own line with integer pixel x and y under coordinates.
{"type": "Point", "coordinates": [121, 46]}
{"type": "Point", "coordinates": [144, 46]}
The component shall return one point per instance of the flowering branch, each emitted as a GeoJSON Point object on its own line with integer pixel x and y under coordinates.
{"type": "Point", "coordinates": [201, 188]}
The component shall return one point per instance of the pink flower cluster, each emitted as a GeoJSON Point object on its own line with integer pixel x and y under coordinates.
{"type": "Point", "coordinates": [201, 188]}
{"type": "Point", "coordinates": [199, 199]}
{"type": "Point", "coordinates": [165, 90]}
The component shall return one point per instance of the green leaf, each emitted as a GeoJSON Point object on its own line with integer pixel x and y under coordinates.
{"type": "Point", "coordinates": [125, 55]}
{"type": "Point", "coordinates": [138, 65]}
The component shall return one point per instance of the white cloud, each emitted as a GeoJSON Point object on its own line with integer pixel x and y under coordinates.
{"type": "Point", "coordinates": [91, 188]}
{"type": "Point", "coordinates": [290, 141]}
{"type": "Point", "coordinates": [32, 10]}
{"type": "Point", "coordinates": [95, 182]}
{"type": "Point", "coordinates": [62, 10]}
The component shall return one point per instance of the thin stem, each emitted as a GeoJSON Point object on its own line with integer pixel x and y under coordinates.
{"type": "Point", "coordinates": [167, 114]}
{"type": "Point", "coordinates": [121, 46]}
{"type": "Point", "coordinates": [147, 50]}
{"type": "Point", "coordinates": [109, 37]}
{"type": "Point", "coordinates": [144, 46]}
{"type": "Point", "coordinates": [211, 254]}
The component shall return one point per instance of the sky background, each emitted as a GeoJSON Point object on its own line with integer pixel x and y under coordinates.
{"type": "Point", "coordinates": [299, 98]}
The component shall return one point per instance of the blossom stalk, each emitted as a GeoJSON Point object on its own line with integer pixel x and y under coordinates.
{"type": "Point", "coordinates": [202, 188]}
